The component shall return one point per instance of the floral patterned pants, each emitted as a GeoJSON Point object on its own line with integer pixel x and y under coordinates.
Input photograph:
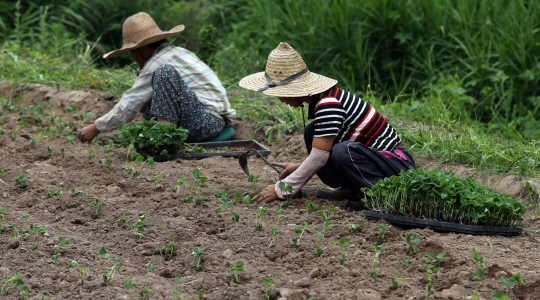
{"type": "Point", "coordinates": [173, 101]}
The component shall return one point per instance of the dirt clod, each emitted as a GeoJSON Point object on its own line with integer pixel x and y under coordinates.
{"type": "Point", "coordinates": [13, 245]}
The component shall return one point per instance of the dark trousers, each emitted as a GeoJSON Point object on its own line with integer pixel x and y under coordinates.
{"type": "Point", "coordinates": [353, 165]}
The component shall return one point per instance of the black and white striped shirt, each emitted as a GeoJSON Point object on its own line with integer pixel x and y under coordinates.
{"type": "Point", "coordinates": [347, 117]}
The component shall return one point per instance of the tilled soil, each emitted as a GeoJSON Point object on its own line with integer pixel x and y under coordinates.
{"type": "Point", "coordinates": [297, 274]}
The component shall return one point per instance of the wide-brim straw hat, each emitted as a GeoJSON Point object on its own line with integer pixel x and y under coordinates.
{"type": "Point", "coordinates": [140, 30]}
{"type": "Point", "coordinates": [287, 75]}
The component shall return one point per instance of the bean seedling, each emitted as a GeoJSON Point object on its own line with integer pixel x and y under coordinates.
{"type": "Point", "coordinates": [326, 213]}
{"type": "Point", "coordinates": [197, 253]}
{"type": "Point", "coordinates": [516, 279]}
{"type": "Point", "coordinates": [22, 180]}
{"type": "Point", "coordinates": [373, 272]}
{"type": "Point", "coordinates": [26, 291]}
{"type": "Point", "coordinates": [254, 180]}
{"type": "Point", "coordinates": [139, 226]}
{"type": "Point", "coordinates": [354, 227]}
{"type": "Point", "coordinates": [6, 284]}
{"type": "Point", "coordinates": [38, 232]}
{"type": "Point", "coordinates": [235, 211]}
{"type": "Point", "coordinates": [287, 191]}
{"type": "Point", "coordinates": [400, 262]}
{"type": "Point", "coordinates": [433, 262]}
{"type": "Point", "coordinates": [310, 206]}
{"type": "Point", "coordinates": [80, 195]}
{"type": "Point", "coordinates": [268, 283]}
{"type": "Point", "coordinates": [84, 117]}
{"type": "Point", "coordinates": [176, 292]}
{"type": "Point", "coordinates": [239, 267]}
{"type": "Point", "coordinates": [499, 296]}
{"type": "Point", "coordinates": [298, 232]}
{"type": "Point", "coordinates": [478, 261]}
{"type": "Point", "coordinates": [97, 204]}
{"type": "Point", "coordinates": [258, 218]}
{"type": "Point", "coordinates": [176, 187]}
{"type": "Point", "coordinates": [3, 221]}
{"type": "Point", "coordinates": [57, 254]}
{"type": "Point", "coordinates": [344, 245]}
{"type": "Point", "coordinates": [279, 217]}
{"type": "Point", "coordinates": [81, 273]}
{"type": "Point", "coordinates": [108, 277]}
{"type": "Point", "coordinates": [169, 250]}
{"type": "Point", "coordinates": [382, 229]}
{"type": "Point", "coordinates": [411, 240]}
{"type": "Point", "coordinates": [144, 290]}
{"type": "Point", "coordinates": [108, 148]}
{"type": "Point", "coordinates": [3, 120]}
{"type": "Point", "coordinates": [429, 291]}
{"type": "Point", "coordinates": [217, 210]}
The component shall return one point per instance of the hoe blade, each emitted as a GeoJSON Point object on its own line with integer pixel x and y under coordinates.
{"type": "Point", "coordinates": [243, 160]}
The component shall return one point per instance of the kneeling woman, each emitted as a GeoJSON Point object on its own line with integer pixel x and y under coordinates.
{"type": "Point", "coordinates": [350, 145]}
{"type": "Point", "coordinates": [174, 86]}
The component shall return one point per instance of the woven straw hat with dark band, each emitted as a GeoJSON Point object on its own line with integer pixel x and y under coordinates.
{"type": "Point", "coordinates": [140, 30]}
{"type": "Point", "coordinates": [287, 75]}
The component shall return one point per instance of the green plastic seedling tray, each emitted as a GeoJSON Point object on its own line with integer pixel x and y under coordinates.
{"type": "Point", "coordinates": [218, 146]}
{"type": "Point", "coordinates": [443, 226]}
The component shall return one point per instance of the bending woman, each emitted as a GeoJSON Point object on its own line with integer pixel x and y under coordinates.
{"type": "Point", "coordinates": [350, 145]}
{"type": "Point", "coordinates": [173, 85]}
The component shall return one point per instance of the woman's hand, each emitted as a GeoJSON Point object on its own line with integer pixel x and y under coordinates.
{"type": "Point", "coordinates": [88, 133]}
{"type": "Point", "coordinates": [288, 168]}
{"type": "Point", "coordinates": [267, 195]}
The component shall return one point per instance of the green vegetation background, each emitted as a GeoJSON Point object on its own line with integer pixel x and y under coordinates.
{"type": "Point", "coordinates": [468, 69]}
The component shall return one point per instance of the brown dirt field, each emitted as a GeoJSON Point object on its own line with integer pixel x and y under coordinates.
{"type": "Point", "coordinates": [296, 272]}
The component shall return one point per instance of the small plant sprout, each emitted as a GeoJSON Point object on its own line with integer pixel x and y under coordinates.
{"type": "Point", "coordinates": [22, 180]}
{"type": "Point", "coordinates": [411, 240]}
{"type": "Point", "coordinates": [108, 148]}
{"type": "Point", "coordinates": [326, 213]}
{"type": "Point", "coordinates": [279, 217]}
{"type": "Point", "coordinates": [500, 296]}
{"type": "Point", "coordinates": [3, 120]}
{"type": "Point", "coordinates": [6, 284]}
{"type": "Point", "coordinates": [258, 218]}
{"type": "Point", "coordinates": [287, 191]}
{"type": "Point", "coordinates": [298, 232]}
{"type": "Point", "coordinates": [71, 110]}
{"type": "Point", "coordinates": [217, 210]}
{"type": "Point", "coordinates": [382, 229]}
{"type": "Point", "coordinates": [85, 116]}
{"type": "Point", "coordinates": [151, 164]}
{"type": "Point", "coordinates": [38, 232]}
{"type": "Point", "coordinates": [107, 277]}
{"type": "Point", "coordinates": [429, 291]}
{"type": "Point", "coordinates": [26, 291]}
{"type": "Point", "coordinates": [82, 271]}
{"type": "Point", "coordinates": [514, 280]}
{"type": "Point", "coordinates": [197, 253]}
{"type": "Point", "coordinates": [268, 284]}
{"type": "Point", "coordinates": [199, 185]}
{"type": "Point", "coordinates": [400, 262]}
{"type": "Point", "coordinates": [144, 290]}
{"type": "Point", "coordinates": [92, 152]}
{"type": "Point", "coordinates": [25, 229]}
{"type": "Point", "coordinates": [344, 245]}
{"type": "Point", "coordinates": [79, 195]}
{"type": "Point", "coordinates": [179, 183]}
{"type": "Point", "coordinates": [57, 254]}
{"type": "Point", "coordinates": [235, 210]}
{"type": "Point", "coordinates": [478, 261]}
{"type": "Point", "coordinates": [169, 250]}
{"type": "Point", "coordinates": [97, 204]}
{"type": "Point", "coordinates": [254, 180]}
{"type": "Point", "coordinates": [239, 267]}
{"type": "Point", "coordinates": [310, 206]}
{"type": "Point", "coordinates": [176, 292]}
{"type": "Point", "coordinates": [3, 220]}
{"type": "Point", "coordinates": [355, 226]}
{"type": "Point", "coordinates": [373, 272]}
{"type": "Point", "coordinates": [433, 262]}
{"type": "Point", "coordinates": [139, 226]}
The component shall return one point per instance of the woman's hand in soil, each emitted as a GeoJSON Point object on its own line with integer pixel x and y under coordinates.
{"type": "Point", "coordinates": [288, 168]}
{"type": "Point", "coordinates": [88, 133]}
{"type": "Point", "coordinates": [266, 195]}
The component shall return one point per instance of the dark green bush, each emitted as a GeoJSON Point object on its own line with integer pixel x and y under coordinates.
{"type": "Point", "coordinates": [153, 137]}
{"type": "Point", "coordinates": [443, 196]}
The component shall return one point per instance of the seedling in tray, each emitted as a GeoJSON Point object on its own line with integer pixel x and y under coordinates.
{"type": "Point", "coordinates": [254, 180]}
{"type": "Point", "coordinates": [22, 180]}
{"type": "Point", "coordinates": [373, 272]}
{"type": "Point", "coordinates": [144, 290]}
{"type": "Point", "coordinates": [268, 284]}
{"type": "Point", "coordinates": [298, 232]}
{"type": "Point", "coordinates": [97, 204]}
{"type": "Point", "coordinates": [400, 262]}
{"type": "Point", "coordinates": [411, 240]}
{"type": "Point", "coordinates": [239, 267]}
{"type": "Point", "coordinates": [107, 277]}
{"type": "Point", "coordinates": [57, 254]}
{"type": "Point", "coordinates": [258, 218]}
{"type": "Point", "coordinates": [82, 271]}
{"type": "Point", "coordinates": [382, 229]}
{"type": "Point", "coordinates": [344, 245]}
{"type": "Point", "coordinates": [516, 279]}
{"type": "Point", "coordinates": [197, 253]}
{"type": "Point", "coordinates": [354, 227]}
{"type": "Point", "coordinates": [279, 217]}
{"type": "Point", "coordinates": [169, 250]}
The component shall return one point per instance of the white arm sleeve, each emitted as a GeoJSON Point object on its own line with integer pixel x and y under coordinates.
{"type": "Point", "coordinates": [119, 115]}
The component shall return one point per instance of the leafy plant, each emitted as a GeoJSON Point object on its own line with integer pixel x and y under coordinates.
{"type": "Point", "coordinates": [85, 116]}
{"type": "Point", "coordinates": [373, 272]}
{"type": "Point", "coordinates": [279, 217]}
{"type": "Point", "coordinates": [217, 210]}
{"type": "Point", "coordinates": [144, 290]}
{"type": "Point", "coordinates": [382, 229]}
{"type": "Point", "coordinates": [298, 232]}
{"type": "Point", "coordinates": [235, 210]}
{"type": "Point", "coordinates": [258, 218]}
{"type": "Point", "coordinates": [179, 183]}
{"type": "Point", "coordinates": [400, 262]}
{"type": "Point", "coordinates": [268, 284]}
{"type": "Point", "coordinates": [197, 253]}
{"type": "Point", "coordinates": [168, 250]}
{"type": "Point", "coordinates": [354, 227]}
{"type": "Point", "coordinates": [57, 254]}
{"type": "Point", "coordinates": [254, 180]}
{"type": "Point", "coordinates": [429, 291]}
{"type": "Point", "coordinates": [6, 284]}
{"type": "Point", "coordinates": [97, 204]}
{"type": "Point", "coordinates": [287, 191]}
{"type": "Point", "coordinates": [344, 245]}
{"type": "Point", "coordinates": [199, 185]}
{"type": "Point", "coordinates": [22, 180]}
{"type": "Point", "coordinates": [81, 273]}
{"type": "Point", "coordinates": [79, 195]}
{"type": "Point", "coordinates": [107, 277]}
{"type": "Point", "coordinates": [26, 291]}
{"type": "Point", "coordinates": [239, 267]}
{"type": "Point", "coordinates": [3, 120]}
{"type": "Point", "coordinates": [139, 226]}
{"type": "Point", "coordinates": [310, 206]}
{"type": "Point", "coordinates": [433, 262]}
{"type": "Point", "coordinates": [38, 232]}
{"type": "Point", "coordinates": [516, 279]}
{"type": "Point", "coordinates": [499, 296]}
{"type": "Point", "coordinates": [411, 240]}
{"type": "Point", "coordinates": [108, 148]}
{"type": "Point", "coordinates": [153, 137]}
{"type": "Point", "coordinates": [326, 213]}
{"type": "Point", "coordinates": [478, 261]}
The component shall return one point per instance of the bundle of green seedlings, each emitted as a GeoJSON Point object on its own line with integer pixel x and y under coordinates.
{"type": "Point", "coordinates": [443, 196]}
{"type": "Point", "coordinates": [152, 137]}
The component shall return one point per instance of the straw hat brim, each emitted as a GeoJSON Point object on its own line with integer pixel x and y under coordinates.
{"type": "Point", "coordinates": [149, 40]}
{"type": "Point", "coordinates": [306, 85]}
